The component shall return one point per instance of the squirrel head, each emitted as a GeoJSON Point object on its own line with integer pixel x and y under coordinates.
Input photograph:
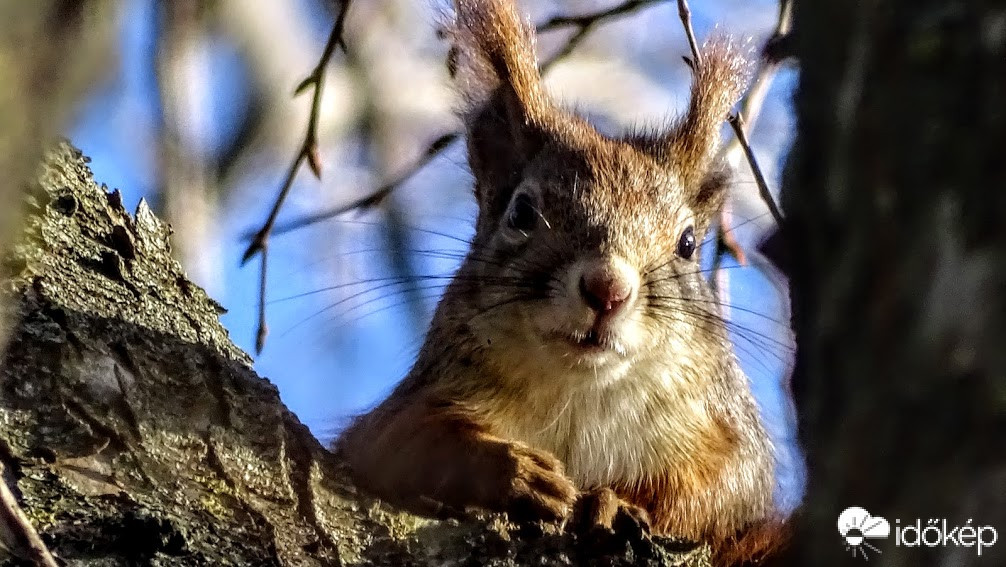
{"type": "Point", "coordinates": [585, 244]}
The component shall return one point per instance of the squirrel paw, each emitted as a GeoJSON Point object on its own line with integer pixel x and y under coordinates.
{"type": "Point", "coordinates": [602, 510]}
{"type": "Point", "coordinates": [537, 488]}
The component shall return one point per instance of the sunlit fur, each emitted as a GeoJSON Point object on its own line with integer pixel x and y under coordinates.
{"type": "Point", "coordinates": [661, 412]}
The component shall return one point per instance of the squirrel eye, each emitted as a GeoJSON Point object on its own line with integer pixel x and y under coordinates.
{"type": "Point", "coordinates": [523, 216]}
{"type": "Point", "coordinates": [686, 244]}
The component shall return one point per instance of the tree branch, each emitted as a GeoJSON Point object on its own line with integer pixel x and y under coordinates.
{"type": "Point", "coordinates": [308, 151]}
{"type": "Point", "coordinates": [589, 20]}
{"type": "Point", "coordinates": [686, 22]}
{"type": "Point", "coordinates": [141, 434]}
{"type": "Point", "coordinates": [750, 107]}
{"type": "Point", "coordinates": [20, 528]}
{"type": "Point", "coordinates": [737, 123]}
{"type": "Point", "coordinates": [585, 23]}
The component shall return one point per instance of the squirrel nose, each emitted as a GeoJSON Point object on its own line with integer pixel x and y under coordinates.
{"type": "Point", "coordinates": [604, 290]}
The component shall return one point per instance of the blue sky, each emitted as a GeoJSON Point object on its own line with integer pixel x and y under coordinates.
{"type": "Point", "coordinates": [331, 361]}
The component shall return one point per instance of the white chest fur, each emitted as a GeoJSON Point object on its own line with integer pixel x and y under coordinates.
{"type": "Point", "coordinates": [620, 431]}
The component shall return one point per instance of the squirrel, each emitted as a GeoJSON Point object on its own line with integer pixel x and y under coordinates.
{"type": "Point", "coordinates": [578, 362]}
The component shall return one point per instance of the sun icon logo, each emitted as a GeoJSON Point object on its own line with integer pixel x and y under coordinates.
{"type": "Point", "coordinates": [857, 526]}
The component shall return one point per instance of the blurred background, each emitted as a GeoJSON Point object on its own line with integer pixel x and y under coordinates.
{"type": "Point", "coordinates": [197, 116]}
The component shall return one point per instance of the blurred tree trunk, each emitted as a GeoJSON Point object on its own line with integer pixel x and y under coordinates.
{"type": "Point", "coordinates": [188, 191]}
{"type": "Point", "coordinates": [51, 53]}
{"type": "Point", "coordinates": [896, 204]}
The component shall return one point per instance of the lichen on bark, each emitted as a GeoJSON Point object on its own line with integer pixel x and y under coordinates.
{"type": "Point", "coordinates": [133, 431]}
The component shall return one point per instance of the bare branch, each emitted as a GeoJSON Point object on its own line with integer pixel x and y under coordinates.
{"type": "Point", "coordinates": [309, 147]}
{"type": "Point", "coordinates": [308, 152]}
{"type": "Point", "coordinates": [686, 22]}
{"type": "Point", "coordinates": [737, 123]}
{"type": "Point", "coordinates": [585, 24]}
{"type": "Point", "coordinates": [743, 120]}
{"type": "Point", "coordinates": [589, 20]}
{"type": "Point", "coordinates": [263, 327]}
{"type": "Point", "coordinates": [18, 526]}
{"type": "Point", "coordinates": [377, 196]}
{"type": "Point", "coordinates": [750, 107]}
{"type": "Point", "coordinates": [571, 44]}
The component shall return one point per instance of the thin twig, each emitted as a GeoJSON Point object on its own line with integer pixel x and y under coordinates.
{"type": "Point", "coordinates": [262, 330]}
{"type": "Point", "coordinates": [571, 44]}
{"type": "Point", "coordinates": [309, 148]}
{"type": "Point", "coordinates": [737, 123]}
{"type": "Point", "coordinates": [750, 107]}
{"type": "Point", "coordinates": [585, 24]}
{"type": "Point", "coordinates": [686, 22]}
{"type": "Point", "coordinates": [18, 525]}
{"type": "Point", "coordinates": [308, 152]}
{"type": "Point", "coordinates": [373, 199]}
{"type": "Point", "coordinates": [588, 20]}
{"type": "Point", "coordinates": [747, 113]}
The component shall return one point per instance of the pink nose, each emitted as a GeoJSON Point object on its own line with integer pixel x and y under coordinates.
{"type": "Point", "coordinates": [603, 290]}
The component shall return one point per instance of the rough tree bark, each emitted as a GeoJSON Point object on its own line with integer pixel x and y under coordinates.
{"type": "Point", "coordinates": [896, 207]}
{"type": "Point", "coordinates": [133, 432]}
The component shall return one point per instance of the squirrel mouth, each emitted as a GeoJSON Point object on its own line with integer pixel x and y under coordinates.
{"type": "Point", "coordinates": [592, 341]}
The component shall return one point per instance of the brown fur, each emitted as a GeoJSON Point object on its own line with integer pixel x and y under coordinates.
{"type": "Point", "coordinates": [503, 410]}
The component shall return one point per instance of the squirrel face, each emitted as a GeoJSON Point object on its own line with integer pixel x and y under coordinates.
{"type": "Point", "coordinates": [586, 245]}
{"type": "Point", "coordinates": [604, 240]}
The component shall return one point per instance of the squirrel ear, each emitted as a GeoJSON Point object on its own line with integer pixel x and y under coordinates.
{"type": "Point", "coordinates": [505, 105]}
{"type": "Point", "coordinates": [692, 143]}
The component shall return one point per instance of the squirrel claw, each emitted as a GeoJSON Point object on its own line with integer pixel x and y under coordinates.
{"type": "Point", "coordinates": [539, 490]}
{"type": "Point", "coordinates": [601, 510]}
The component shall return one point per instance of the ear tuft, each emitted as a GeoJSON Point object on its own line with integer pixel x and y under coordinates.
{"type": "Point", "coordinates": [506, 109]}
{"type": "Point", "coordinates": [719, 80]}
{"type": "Point", "coordinates": [493, 49]}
